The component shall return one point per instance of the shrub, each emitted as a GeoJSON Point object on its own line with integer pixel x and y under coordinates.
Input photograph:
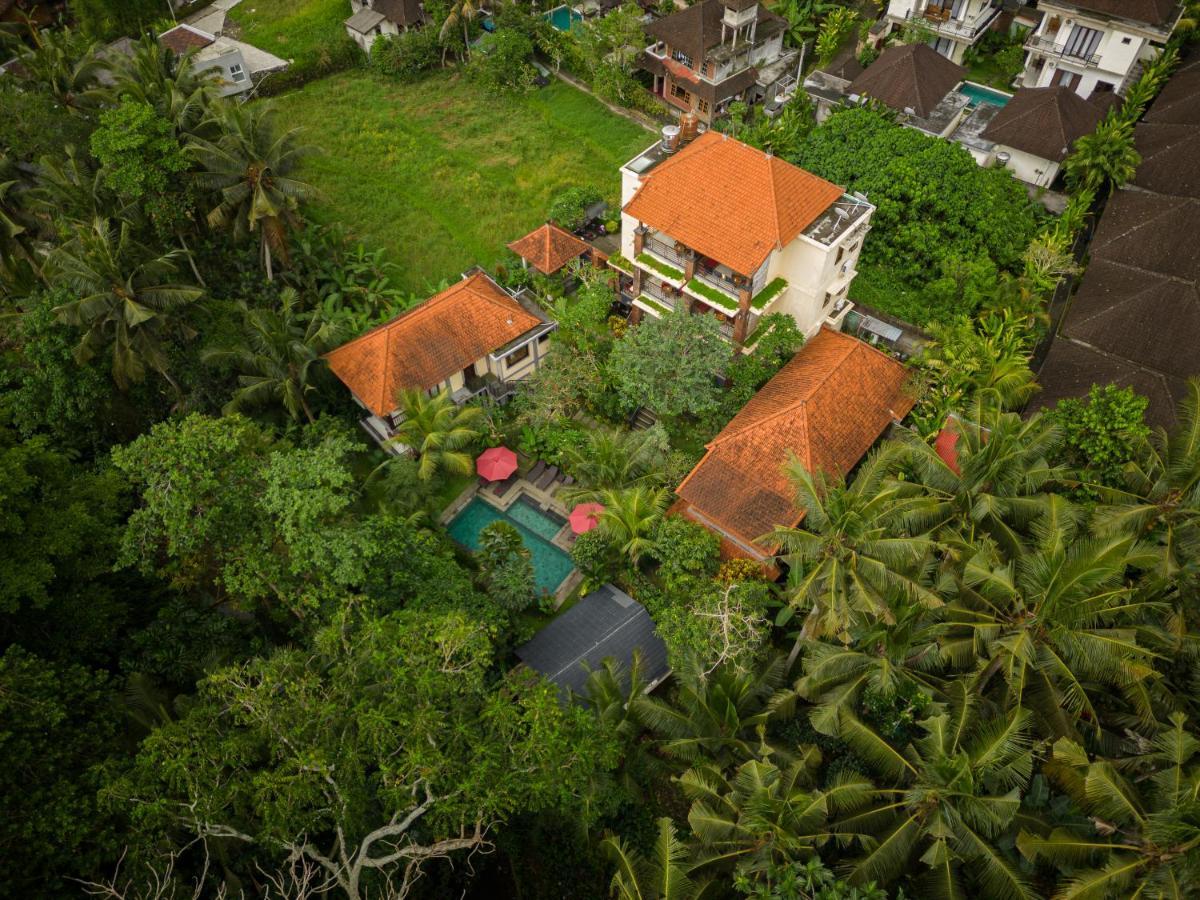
{"type": "Point", "coordinates": [504, 66]}
{"type": "Point", "coordinates": [569, 207]}
{"type": "Point", "coordinates": [506, 566]}
{"type": "Point", "coordinates": [684, 548]}
{"type": "Point", "coordinates": [595, 556]}
{"type": "Point", "coordinates": [408, 56]}
{"type": "Point", "coordinates": [733, 570]}
{"type": "Point", "coordinates": [1101, 433]}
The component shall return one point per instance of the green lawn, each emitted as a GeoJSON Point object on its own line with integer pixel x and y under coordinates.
{"type": "Point", "coordinates": [299, 30]}
{"type": "Point", "coordinates": [444, 176]}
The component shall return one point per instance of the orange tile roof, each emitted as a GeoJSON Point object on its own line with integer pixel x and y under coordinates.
{"type": "Point", "coordinates": [729, 201]}
{"type": "Point", "coordinates": [827, 406]}
{"type": "Point", "coordinates": [549, 248]}
{"type": "Point", "coordinates": [423, 347]}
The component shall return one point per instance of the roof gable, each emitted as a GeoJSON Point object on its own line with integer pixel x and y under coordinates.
{"type": "Point", "coordinates": [183, 38]}
{"type": "Point", "coordinates": [826, 407]}
{"type": "Point", "coordinates": [549, 248]}
{"type": "Point", "coordinates": [909, 76]}
{"type": "Point", "coordinates": [423, 347]}
{"type": "Point", "coordinates": [730, 201]}
{"type": "Point", "coordinates": [1044, 121]}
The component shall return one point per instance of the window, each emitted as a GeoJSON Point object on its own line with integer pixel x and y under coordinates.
{"type": "Point", "coordinates": [1126, 40]}
{"type": "Point", "coordinates": [680, 56]}
{"type": "Point", "coordinates": [1069, 79]}
{"type": "Point", "coordinates": [237, 73]}
{"type": "Point", "coordinates": [518, 355]}
{"type": "Point", "coordinates": [1083, 42]}
{"type": "Point", "coordinates": [841, 253]}
{"type": "Point", "coordinates": [702, 105]}
{"type": "Point", "coordinates": [1103, 87]}
{"type": "Point", "coordinates": [679, 93]}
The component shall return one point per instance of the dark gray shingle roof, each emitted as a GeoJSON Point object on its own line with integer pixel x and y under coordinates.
{"type": "Point", "coordinates": [605, 623]}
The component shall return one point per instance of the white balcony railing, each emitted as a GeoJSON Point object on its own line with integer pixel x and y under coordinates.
{"type": "Point", "coordinates": [957, 29]}
{"type": "Point", "coordinates": [1046, 46]}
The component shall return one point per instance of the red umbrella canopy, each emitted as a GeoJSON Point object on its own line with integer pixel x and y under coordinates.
{"type": "Point", "coordinates": [496, 463]}
{"type": "Point", "coordinates": [585, 517]}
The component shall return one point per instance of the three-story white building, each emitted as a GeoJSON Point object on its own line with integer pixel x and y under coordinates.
{"type": "Point", "coordinates": [1094, 46]}
{"type": "Point", "coordinates": [717, 227]}
{"type": "Point", "coordinates": [954, 25]}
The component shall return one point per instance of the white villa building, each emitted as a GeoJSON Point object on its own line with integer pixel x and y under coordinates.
{"type": "Point", "coordinates": [713, 226]}
{"type": "Point", "coordinates": [955, 25]}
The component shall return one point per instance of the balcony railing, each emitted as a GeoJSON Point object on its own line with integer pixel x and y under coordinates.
{"type": "Point", "coordinates": [655, 290]}
{"type": "Point", "coordinates": [1045, 46]}
{"type": "Point", "coordinates": [666, 250]}
{"type": "Point", "coordinates": [953, 28]}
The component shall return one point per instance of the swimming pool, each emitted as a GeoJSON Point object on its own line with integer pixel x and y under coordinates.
{"type": "Point", "coordinates": [550, 564]}
{"type": "Point", "coordinates": [977, 94]}
{"type": "Point", "coordinates": [563, 17]}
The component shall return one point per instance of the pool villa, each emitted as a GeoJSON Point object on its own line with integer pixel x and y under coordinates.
{"type": "Point", "coordinates": [563, 17]}
{"type": "Point", "coordinates": [528, 503]}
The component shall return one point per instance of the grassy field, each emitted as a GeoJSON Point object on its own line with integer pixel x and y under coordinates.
{"type": "Point", "coordinates": [444, 176]}
{"type": "Point", "coordinates": [300, 30]}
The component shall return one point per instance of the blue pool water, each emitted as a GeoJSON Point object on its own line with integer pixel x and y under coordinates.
{"type": "Point", "coordinates": [977, 94]}
{"type": "Point", "coordinates": [563, 17]}
{"type": "Point", "coordinates": [550, 564]}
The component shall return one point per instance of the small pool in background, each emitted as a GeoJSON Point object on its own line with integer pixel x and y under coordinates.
{"type": "Point", "coordinates": [563, 17]}
{"type": "Point", "coordinates": [977, 94]}
{"type": "Point", "coordinates": [550, 564]}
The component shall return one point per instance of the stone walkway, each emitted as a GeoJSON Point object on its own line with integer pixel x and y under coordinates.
{"type": "Point", "coordinates": [212, 18]}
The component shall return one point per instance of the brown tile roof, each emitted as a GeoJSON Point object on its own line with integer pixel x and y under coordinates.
{"type": "Point", "coordinates": [1153, 12]}
{"type": "Point", "coordinates": [1170, 159]}
{"type": "Point", "coordinates": [729, 201]}
{"type": "Point", "coordinates": [909, 76]}
{"type": "Point", "coordinates": [183, 38]}
{"type": "Point", "coordinates": [1179, 101]}
{"type": "Point", "coordinates": [697, 29]}
{"type": "Point", "coordinates": [1043, 121]}
{"type": "Point", "coordinates": [1153, 232]}
{"type": "Point", "coordinates": [402, 12]}
{"type": "Point", "coordinates": [426, 345]}
{"type": "Point", "coordinates": [549, 248]}
{"type": "Point", "coordinates": [827, 406]}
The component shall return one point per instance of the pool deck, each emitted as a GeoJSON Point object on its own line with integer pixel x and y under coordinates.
{"type": "Point", "coordinates": [544, 500]}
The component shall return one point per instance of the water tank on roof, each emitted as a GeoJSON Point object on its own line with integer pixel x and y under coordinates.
{"type": "Point", "coordinates": [670, 138]}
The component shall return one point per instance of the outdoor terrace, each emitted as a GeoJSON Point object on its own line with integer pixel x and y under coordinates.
{"type": "Point", "coordinates": [843, 215]}
{"type": "Point", "coordinates": [1049, 46]}
{"type": "Point", "coordinates": [938, 20]}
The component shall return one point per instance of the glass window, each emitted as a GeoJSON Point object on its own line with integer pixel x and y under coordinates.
{"type": "Point", "coordinates": [518, 355]}
{"type": "Point", "coordinates": [237, 73]}
{"type": "Point", "coordinates": [1083, 42]}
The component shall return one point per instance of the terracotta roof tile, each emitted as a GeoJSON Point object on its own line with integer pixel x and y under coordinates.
{"type": "Point", "coordinates": [1044, 121]}
{"type": "Point", "coordinates": [827, 406]}
{"type": "Point", "coordinates": [549, 248]}
{"type": "Point", "coordinates": [183, 38]}
{"type": "Point", "coordinates": [426, 345]}
{"type": "Point", "coordinates": [729, 201]}
{"type": "Point", "coordinates": [909, 76]}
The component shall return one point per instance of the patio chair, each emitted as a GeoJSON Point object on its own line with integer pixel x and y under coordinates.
{"type": "Point", "coordinates": [500, 488]}
{"type": "Point", "coordinates": [538, 468]}
{"type": "Point", "coordinates": [547, 477]}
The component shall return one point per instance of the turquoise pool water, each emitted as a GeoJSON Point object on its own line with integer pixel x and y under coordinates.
{"type": "Point", "coordinates": [563, 17]}
{"type": "Point", "coordinates": [977, 94]}
{"type": "Point", "coordinates": [550, 564]}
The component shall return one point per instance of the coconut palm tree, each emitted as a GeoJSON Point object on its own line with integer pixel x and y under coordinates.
{"type": "Point", "coordinates": [1141, 837]}
{"type": "Point", "coordinates": [437, 430]}
{"type": "Point", "coordinates": [158, 76]}
{"type": "Point", "coordinates": [62, 62]}
{"type": "Point", "coordinates": [1105, 158]}
{"type": "Point", "coordinates": [631, 517]}
{"type": "Point", "coordinates": [718, 717]}
{"type": "Point", "coordinates": [1058, 625]}
{"type": "Point", "coordinates": [1160, 498]}
{"type": "Point", "coordinates": [615, 460]}
{"type": "Point", "coordinates": [762, 815]}
{"type": "Point", "coordinates": [610, 693]}
{"type": "Point", "coordinates": [959, 792]}
{"type": "Point", "coordinates": [71, 189]}
{"type": "Point", "coordinates": [250, 167]}
{"type": "Point", "coordinates": [460, 15]}
{"type": "Point", "coordinates": [861, 548]}
{"type": "Point", "coordinates": [278, 356]}
{"type": "Point", "coordinates": [998, 481]}
{"type": "Point", "coordinates": [16, 246]}
{"type": "Point", "coordinates": [128, 299]}
{"type": "Point", "coordinates": [664, 875]}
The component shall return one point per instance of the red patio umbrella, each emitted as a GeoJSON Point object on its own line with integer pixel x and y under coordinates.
{"type": "Point", "coordinates": [496, 463]}
{"type": "Point", "coordinates": [585, 517]}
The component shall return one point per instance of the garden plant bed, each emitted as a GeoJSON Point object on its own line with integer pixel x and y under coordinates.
{"type": "Point", "coordinates": [443, 175]}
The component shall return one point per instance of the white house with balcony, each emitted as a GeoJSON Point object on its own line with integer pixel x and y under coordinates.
{"type": "Point", "coordinates": [1096, 46]}
{"type": "Point", "coordinates": [953, 25]}
{"type": "Point", "coordinates": [717, 227]}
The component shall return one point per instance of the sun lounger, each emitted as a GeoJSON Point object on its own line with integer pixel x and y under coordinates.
{"type": "Point", "coordinates": [547, 477]}
{"type": "Point", "coordinates": [535, 473]}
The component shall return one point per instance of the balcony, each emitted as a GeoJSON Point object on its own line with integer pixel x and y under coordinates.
{"type": "Point", "coordinates": [665, 250]}
{"type": "Point", "coordinates": [937, 19]}
{"type": "Point", "coordinates": [1047, 47]}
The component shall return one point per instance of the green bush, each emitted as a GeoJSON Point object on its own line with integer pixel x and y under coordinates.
{"type": "Point", "coordinates": [569, 207]}
{"type": "Point", "coordinates": [1102, 432]}
{"type": "Point", "coordinates": [506, 566]}
{"type": "Point", "coordinates": [406, 57]}
{"type": "Point", "coordinates": [505, 65]}
{"type": "Point", "coordinates": [684, 548]}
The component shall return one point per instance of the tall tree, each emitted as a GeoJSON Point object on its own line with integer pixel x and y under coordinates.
{"type": "Point", "coordinates": [128, 301]}
{"type": "Point", "coordinates": [630, 519]}
{"type": "Point", "coordinates": [249, 166]}
{"type": "Point", "coordinates": [1106, 158]}
{"type": "Point", "coordinates": [662, 875]}
{"type": "Point", "coordinates": [278, 356]}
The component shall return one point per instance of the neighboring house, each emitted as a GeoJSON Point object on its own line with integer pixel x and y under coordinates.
{"type": "Point", "coordinates": [1035, 132]}
{"type": "Point", "coordinates": [372, 18]}
{"type": "Point", "coordinates": [828, 87]}
{"type": "Point", "coordinates": [721, 228]}
{"type": "Point", "coordinates": [1096, 46]}
{"type": "Point", "coordinates": [1135, 318]}
{"type": "Point", "coordinates": [953, 26]}
{"type": "Point", "coordinates": [606, 624]}
{"type": "Point", "coordinates": [472, 338]}
{"type": "Point", "coordinates": [917, 83]}
{"type": "Point", "coordinates": [717, 51]}
{"type": "Point", "coordinates": [239, 66]}
{"type": "Point", "coordinates": [825, 408]}
{"type": "Point", "coordinates": [549, 248]}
